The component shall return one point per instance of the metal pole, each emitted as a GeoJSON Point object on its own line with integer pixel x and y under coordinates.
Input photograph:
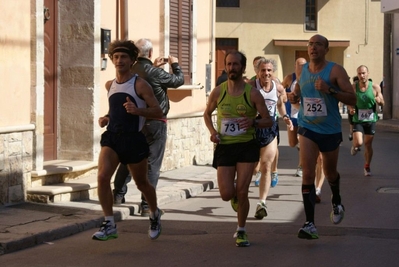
{"type": "Point", "coordinates": [387, 67]}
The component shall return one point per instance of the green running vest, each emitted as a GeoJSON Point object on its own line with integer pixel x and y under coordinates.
{"type": "Point", "coordinates": [229, 109]}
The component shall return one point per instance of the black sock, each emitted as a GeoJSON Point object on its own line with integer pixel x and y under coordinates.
{"type": "Point", "coordinates": [309, 200]}
{"type": "Point", "coordinates": [336, 198]}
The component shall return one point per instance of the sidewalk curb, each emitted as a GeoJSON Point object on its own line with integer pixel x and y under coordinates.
{"type": "Point", "coordinates": [76, 217]}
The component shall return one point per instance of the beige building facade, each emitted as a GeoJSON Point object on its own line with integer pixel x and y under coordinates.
{"type": "Point", "coordinates": [361, 32]}
{"type": "Point", "coordinates": [54, 65]}
{"type": "Point", "coordinates": [280, 30]}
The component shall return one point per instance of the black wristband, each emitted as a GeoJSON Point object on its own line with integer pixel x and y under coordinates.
{"type": "Point", "coordinates": [255, 123]}
{"type": "Point", "coordinates": [332, 91]}
{"type": "Point", "coordinates": [286, 116]}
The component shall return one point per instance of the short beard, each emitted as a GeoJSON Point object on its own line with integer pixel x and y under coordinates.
{"type": "Point", "coordinates": [235, 76]}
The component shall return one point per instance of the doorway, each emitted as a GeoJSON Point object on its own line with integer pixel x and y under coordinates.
{"type": "Point", "coordinates": [301, 53]}
{"type": "Point", "coordinates": [50, 81]}
{"type": "Point", "coordinates": [223, 45]}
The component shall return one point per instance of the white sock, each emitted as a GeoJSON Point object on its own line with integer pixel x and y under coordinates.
{"type": "Point", "coordinates": [262, 201]}
{"type": "Point", "coordinates": [110, 219]}
{"type": "Point", "coordinates": [240, 228]}
{"type": "Point", "coordinates": [154, 214]}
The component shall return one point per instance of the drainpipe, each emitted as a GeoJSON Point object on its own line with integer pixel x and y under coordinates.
{"type": "Point", "coordinates": [366, 25]}
{"type": "Point", "coordinates": [208, 71]}
{"type": "Point", "coordinates": [117, 20]}
{"type": "Point", "coordinates": [212, 30]}
{"type": "Point", "coordinates": [124, 22]}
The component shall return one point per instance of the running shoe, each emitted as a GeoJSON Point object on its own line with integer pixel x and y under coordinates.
{"type": "Point", "coordinates": [274, 180]}
{"type": "Point", "coordinates": [107, 231]}
{"type": "Point", "coordinates": [242, 239]}
{"type": "Point", "coordinates": [354, 150]}
{"type": "Point", "coordinates": [155, 226]}
{"type": "Point", "coordinates": [367, 171]}
{"type": "Point", "coordinates": [337, 214]}
{"type": "Point", "coordinates": [234, 203]}
{"type": "Point", "coordinates": [298, 171]}
{"type": "Point", "coordinates": [144, 209]}
{"type": "Point", "coordinates": [261, 211]}
{"type": "Point", "coordinates": [257, 178]}
{"type": "Point", "coordinates": [119, 199]}
{"type": "Point", "coordinates": [308, 231]}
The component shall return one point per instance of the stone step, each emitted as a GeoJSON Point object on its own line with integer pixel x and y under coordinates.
{"type": "Point", "coordinates": [71, 190]}
{"type": "Point", "coordinates": [60, 171]}
{"type": "Point", "coordinates": [64, 180]}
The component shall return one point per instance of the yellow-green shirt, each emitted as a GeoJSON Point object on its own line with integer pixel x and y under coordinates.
{"type": "Point", "coordinates": [229, 110]}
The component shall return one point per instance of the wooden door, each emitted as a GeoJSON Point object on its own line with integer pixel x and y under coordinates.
{"type": "Point", "coordinates": [50, 81]}
{"type": "Point", "coordinates": [222, 46]}
{"type": "Point", "coordinates": [301, 53]}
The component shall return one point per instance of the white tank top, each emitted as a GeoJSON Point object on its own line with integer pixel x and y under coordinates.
{"type": "Point", "coordinates": [270, 98]}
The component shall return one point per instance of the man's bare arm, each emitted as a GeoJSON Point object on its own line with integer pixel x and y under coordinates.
{"type": "Point", "coordinates": [281, 107]}
{"type": "Point", "coordinates": [341, 79]}
{"type": "Point", "coordinates": [144, 90]}
{"type": "Point", "coordinates": [287, 81]}
{"type": "Point", "coordinates": [210, 108]}
{"type": "Point", "coordinates": [379, 98]}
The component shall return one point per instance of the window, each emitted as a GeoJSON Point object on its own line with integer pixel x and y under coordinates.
{"type": "Point", "coordinates": [311, 16]}
{"type": "Point", "coordinates": [227, 3]}
{"type": "Point", "coordinates": [180, 35]}
{"type": "Point", "coordinates": [232, 43]}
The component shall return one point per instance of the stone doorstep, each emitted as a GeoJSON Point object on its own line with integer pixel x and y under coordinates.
{"type": "Point", "coordinates": [63, 167]}
{"type": "Point", "coordinates": [80, 181]}
{"type": "Point", "coordinates": [72, 190]}
{"type": "Point", "coordinates": [66, 187]}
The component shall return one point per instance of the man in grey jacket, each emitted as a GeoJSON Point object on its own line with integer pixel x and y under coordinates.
{"type": "Point", "coordinates": [155, 130]}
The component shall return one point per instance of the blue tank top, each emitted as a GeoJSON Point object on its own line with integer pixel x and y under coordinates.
{"type": "Point", "coordinates": [119, 120]}
{"type": "Point", "coordinates": [319, 112]}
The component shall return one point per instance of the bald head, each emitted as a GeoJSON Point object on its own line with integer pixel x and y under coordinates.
{"type": "Point", "coordinates": [298, 65]}
{"type": "Point", "coordinates": [362, 66]}
{"type": "Point", "coordinates": [300, 61]}
{"type": "Point", "coordinates": [320, 38]}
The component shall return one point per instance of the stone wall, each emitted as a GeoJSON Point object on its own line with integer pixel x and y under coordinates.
{"type": "Point", "coordinates": [15, 166]}
{"type": "Point", "coordinates": [187, 143]}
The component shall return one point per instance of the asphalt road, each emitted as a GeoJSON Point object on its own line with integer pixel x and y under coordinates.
{"type": "Point", "coordinates": [199, 231]}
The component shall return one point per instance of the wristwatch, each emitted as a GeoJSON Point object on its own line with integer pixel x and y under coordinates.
{"type": "Point", "coordinates": [332, 91]}
{"type": "Point", "coordinates": [286, 116]}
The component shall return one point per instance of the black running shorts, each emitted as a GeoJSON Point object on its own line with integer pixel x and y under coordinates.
{"type": "Point", "coordinates": [230, 155]}
{"type": "Point", "coordinates": [325, 142]}
{"type": "Point", "coordinates": [131, 147]}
